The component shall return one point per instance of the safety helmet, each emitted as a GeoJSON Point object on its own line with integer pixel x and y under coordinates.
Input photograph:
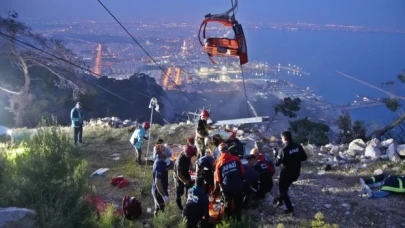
{"type": "Point", "coordinates": [205, 114]}
{"type": "Point", "coordinates": [191, 140]}
{"type": "Point", "coordinates": [254, 151]}
{"type": "Point", "coordinates": [223, 147]}
{"type": "Point", "coordinates": [159, 148]}
{"type": "Point", "coordinates": [146, 125]}
{"type": "Point", "coordinates": [190, 151]}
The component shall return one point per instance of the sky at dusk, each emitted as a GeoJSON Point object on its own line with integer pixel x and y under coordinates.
{"type": "Point", "coordinates": [370, 13]}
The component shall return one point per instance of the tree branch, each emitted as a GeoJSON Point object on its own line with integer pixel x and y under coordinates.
{"type": "Point", "coordinates": [10, 91]}
{"type": "Point", "coordinates": [381, 132]}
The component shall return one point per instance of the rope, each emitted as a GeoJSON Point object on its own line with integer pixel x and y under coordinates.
{"type": "Point", "coordinates": [146, 52]}
{"type": "Point", "coordinates": [244, 88]}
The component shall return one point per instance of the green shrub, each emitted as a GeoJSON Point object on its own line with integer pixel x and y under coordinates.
{"type": "Point", "coordinates": [46, 175]}
{"type": "Point", "coordinates": [170, 217]}
{"type": "Point", "coordinates": [245, 222]}
{"type": "Point", "coordinates": [319, 222]}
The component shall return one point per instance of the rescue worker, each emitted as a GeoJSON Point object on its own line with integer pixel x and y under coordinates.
{"type": "Point", "coordinates": [266, 177]}
{"type": "Point", "coordinates": [205, 168]}
{"type": "Point", "coordinates": [137, 139]}
{"type": "Point", "coordinates": [169, 154]}
{"type": "Point", "coordinates": [160, 182]}
{"type": "Point", "coordinates": [76, 115]}
{"type": "Point", "coordinates": [196, 209]}
{"type": "Point", "coordinates": [265, 159]}
{"type": "Point", "coordinates": [392, 183]}
{"type": "Point", "coordinates": [202, 133]}
{"type": "Point", "coordinates": [251, 182]}
{"type": "Point", "coordinates": [229, 174]}
{"type": "Point", "coordinates": [290, 156]}
{"type": "Point", "coordinates": [181, 175]}
{"type": "Point", "coordinates": [217, 141]}
{"type": "Point", "coordinates": [191, 141]}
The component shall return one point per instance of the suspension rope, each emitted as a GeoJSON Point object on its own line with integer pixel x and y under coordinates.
{"type": "Point", "coordinates": [146, 52]}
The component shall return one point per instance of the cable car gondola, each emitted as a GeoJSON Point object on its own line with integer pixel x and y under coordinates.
{"type": "Point", "coordinates": [224, 47]}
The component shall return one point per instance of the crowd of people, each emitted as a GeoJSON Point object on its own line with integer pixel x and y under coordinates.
{"type": "Point", "coordinates": [221, 176]}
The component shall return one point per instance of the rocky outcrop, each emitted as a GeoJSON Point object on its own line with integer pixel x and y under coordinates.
{"type": "Point", "coordinates": [13, 217]}
{"type": "Point", "coordinates": [137, 91]}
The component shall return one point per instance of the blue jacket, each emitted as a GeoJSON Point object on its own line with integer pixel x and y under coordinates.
{"type": "Point", "coordinates": [138, 137]}
{"type": "Point", "coordinates": [76, 116]}
{"type": "Point", "coordinates": [197, 205]}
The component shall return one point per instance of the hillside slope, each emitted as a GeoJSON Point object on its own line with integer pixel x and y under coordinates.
{"type": "Point", "coordinates": [336, 193]}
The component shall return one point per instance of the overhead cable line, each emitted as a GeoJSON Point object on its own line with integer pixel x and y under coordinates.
{"type": "Point", "coordinates": [147, 53]}
{"type": "Point", "coordinates": [243, 75]}
{"type": "Point", "coordinates": [5, 36]}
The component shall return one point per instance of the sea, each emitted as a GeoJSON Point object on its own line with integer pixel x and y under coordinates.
{"type": "Point", "coordinates": [371, 57]}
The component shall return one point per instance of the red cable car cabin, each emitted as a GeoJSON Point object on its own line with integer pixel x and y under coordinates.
{"type": "Point", "coordinates": [224, 47]}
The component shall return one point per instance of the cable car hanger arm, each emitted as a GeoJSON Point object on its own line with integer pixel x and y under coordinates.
{"type": "Point", "coordinates": [226, 14]}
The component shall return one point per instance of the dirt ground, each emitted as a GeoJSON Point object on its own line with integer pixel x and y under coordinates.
{"type": "Point", "coordinates": [336, 194]}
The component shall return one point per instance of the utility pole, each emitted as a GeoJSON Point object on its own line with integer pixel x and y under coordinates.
{"type": "Point", "coordinates": [153, 105]}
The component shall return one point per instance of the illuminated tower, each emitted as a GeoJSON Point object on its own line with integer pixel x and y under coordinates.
{"type": "Point", "coordinates": [184, 49]}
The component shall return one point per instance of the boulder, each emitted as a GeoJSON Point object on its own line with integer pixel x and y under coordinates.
{"type": "Point", "coordinates": [378, 172]}
{"type": "Point", "coordinates": [106, 119]}
{"type": "Point", "coordinates": [116, 119]}
{"type": "Point", "coordinates": [324, 149]}
{"type": "Point", "coordinates": [374, 142]}
{"type": "Point", "coordinates": [387, 143]}
{"type": "Point", "coordinates": [127, 123]}
{"type": "Point", "coordinates": [351, 153]}
{"type": "Point", "coordinates": [357, 145]}
{"type": "Point", "coordinates": [334, 149]}
{"type": "Point", "coordinates": [93, 122]}
{"type": "Point", "coordinates": [401, 150]}
{"type": "Point", "coordinates": [392, 154]}
{"type": "Point", "coordinates": [372, 151]}
{"type": "Point", "coordinates": [329, 145]}
{"type": "Point", "coordinates": [17, 217]}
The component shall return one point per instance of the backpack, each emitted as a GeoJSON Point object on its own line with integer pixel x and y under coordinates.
{"type": "Point", "coordinates": [131, 207]}
{"type": "Point", "coordinates": [235, 147]}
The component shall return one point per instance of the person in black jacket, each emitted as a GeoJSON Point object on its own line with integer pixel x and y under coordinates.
{"type": "Point", "coordinates": [290, 156]}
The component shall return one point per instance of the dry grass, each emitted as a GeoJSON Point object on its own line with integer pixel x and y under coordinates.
{"type": "Point", "coordinates": [309, 194]}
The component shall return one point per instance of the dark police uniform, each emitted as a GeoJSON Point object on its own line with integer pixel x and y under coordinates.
{"type": "Point", "coordinates": [251, 185]}
{"type": "Point", "coordinates": [266, 180]}
{"type": "Point", "coordinates": [206, 165]}
{"type": "Point", "coordinates": [196, 207]}
{"type": "Point", "coordinates": [290, 156]}
{"type": "Point", "coordinates": [159, 171]}
{"type": "Point", "coordinates": [182, 165]}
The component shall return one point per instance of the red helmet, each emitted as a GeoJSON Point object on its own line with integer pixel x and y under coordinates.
{"type": "Point", "coordinates": [223, 147]}
{"type": "Point", "coordinates": [191, 140]}
{"type": "Point", "coordinates": [190, 151]}
{"type": "Point", "coordinates": [146, 125]}
{"type": "Point", "coordinates": [205, 114]}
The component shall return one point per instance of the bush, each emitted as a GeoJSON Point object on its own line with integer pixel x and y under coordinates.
{"type": "Point", "coordinates": [319, 222]}
{"type": "Point", "coordinates": [46, 175]}
{"type": "Point", "coordinates": [170, 217]}
{"type": "Point", "coordinates": [245, 222]}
